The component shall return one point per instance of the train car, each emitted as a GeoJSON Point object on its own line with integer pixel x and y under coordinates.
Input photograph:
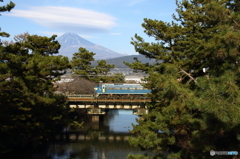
{"type": "Point", "coordinates": [120, 90]}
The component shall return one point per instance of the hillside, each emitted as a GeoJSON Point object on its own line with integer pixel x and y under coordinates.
{"type": "Point", "coordinates": [118, 62]}
{"type": "Point", "coordinates": [120, 67]}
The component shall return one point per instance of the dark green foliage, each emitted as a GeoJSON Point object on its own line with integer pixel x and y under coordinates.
{"type": "Point", "coordinates": [197, 110]}
{"type": "Point", "coordinates": [102, 67]}
{"type": "Point", "coordinates": [101, 71]}
{"type": "Point", "coordinates": [116, 78]}
{"type": "Point", "coordinates": [7, 7]}
{"type": "Point", "coordinates": [81, 65]}
{"type": "Point", "coordinates": [30, 112]}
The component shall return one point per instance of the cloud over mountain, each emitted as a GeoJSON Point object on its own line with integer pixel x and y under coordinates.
{"type": "Point", "coordinates": [68, 19]}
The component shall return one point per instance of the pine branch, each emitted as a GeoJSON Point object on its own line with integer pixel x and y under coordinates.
{"type": "Point", "coordinates": [188, 75]}
{"type": "Point", "coordinates": [234, 21]}
{"type": "Point", "coordinates": [5, 78]}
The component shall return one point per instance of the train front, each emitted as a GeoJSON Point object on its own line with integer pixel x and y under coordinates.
{"type": "Point", "coordinates": [98, 90]}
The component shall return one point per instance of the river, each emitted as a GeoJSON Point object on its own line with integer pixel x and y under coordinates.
{"type": "Point", "coordinates": [106, 140]}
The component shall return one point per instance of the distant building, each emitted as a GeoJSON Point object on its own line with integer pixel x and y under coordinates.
{"type": "Point", "coordinates": [65, 78]}
{"type": "Point", "coordinates": [134, 78]}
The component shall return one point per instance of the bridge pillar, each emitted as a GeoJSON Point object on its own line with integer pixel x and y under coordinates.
{"type": "Point", "coordinates": [142, 111]}
{"type": "Point", "coordinates": [95, 105]}
{"type": "Point", "coordinates": [95, 126]}
{"type": "Point", "coordinates": [95, 122]}
{"type": "Point", "coordinates": [95, 118]}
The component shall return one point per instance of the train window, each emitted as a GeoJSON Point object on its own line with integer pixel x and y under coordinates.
{"type": "Point", "coordinates": [131, 88]}
{"type": "Point", "coordinates": [124, 88]}
{"type": "Point", "coordinates": [109, 88]}
{"type": "Point", "coordinates": [116, 88]}
{"type": "Point", "coordinates": [145, 89]}
{"type": "Point", "coordinates": [139, 88]}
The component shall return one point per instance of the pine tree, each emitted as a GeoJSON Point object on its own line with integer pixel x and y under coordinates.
{"type": "Point", "coordinates": [81, 65]}
{"type": "Point", "coordinates": [117, 78]}
{"type": "Point", "coordinates": [195, 90]}
{"type": "Point", "coordinates": [101, 71]}
{"type": "Point", "coordinates": [30, 111]}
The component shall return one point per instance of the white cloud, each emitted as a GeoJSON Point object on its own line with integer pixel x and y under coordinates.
{"type": "Point", "coordinates": [68, 19]}
{"type": "Point", "coordinates": [115, 33]}
{"type": "Point", "coordinates": [61, 33]}
{"type": "Point", "coordinates": [108, 2]}
{"type": "Point", "coordinates": [52, 33]}
{"type": "Point", "coordinates": [89, 37]}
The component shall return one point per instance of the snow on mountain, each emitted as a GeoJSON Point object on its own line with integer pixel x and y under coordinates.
{"type": "Point", "coordinates": [71, 42]}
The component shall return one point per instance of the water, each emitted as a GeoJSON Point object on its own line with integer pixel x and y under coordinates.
{"type": "Point", "coordinates": [106, 140]}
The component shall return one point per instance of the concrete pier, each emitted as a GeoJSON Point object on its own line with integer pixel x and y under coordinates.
{"type": "Point", "coordinates": [95, 118]}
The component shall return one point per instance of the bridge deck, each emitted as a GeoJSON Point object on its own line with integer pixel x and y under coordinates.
{"type": "Point", "coordinates": [98, 105]}
{"type": "Point", "coordinates": [109, 100]}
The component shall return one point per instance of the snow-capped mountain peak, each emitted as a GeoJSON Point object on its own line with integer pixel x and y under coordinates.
{"type": "Point", "coordinates": [73, 39]}
{"type": "Point", "coordinates": [71, 42]}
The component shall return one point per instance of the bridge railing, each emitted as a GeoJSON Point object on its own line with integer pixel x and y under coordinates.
{"type": "Point", "coordinates": [89, 98]}
{"type": "Point", "coordinates": [80, 96]}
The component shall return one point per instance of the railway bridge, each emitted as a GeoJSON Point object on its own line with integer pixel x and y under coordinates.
{"type": "Point", "coordinates": [97, 106]}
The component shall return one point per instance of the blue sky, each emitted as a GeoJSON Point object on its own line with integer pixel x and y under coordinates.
{"type": "Point", "coordinates": [110, 23]}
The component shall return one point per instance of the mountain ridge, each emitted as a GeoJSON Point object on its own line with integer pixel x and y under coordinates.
{"type": "Point", "coordinates": [118, 61]}
{"type": "Point", "coordinates": [71, 42]}
{"type": "Point", "coordinates": [120, 67]}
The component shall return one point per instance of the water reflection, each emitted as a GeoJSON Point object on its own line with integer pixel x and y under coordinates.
{"type": "Point", "coordinates": [108, 140]}
{"type": "Point", "coordinates": [120, 120]}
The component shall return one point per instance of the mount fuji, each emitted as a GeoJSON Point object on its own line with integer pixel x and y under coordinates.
{"type": "Point", "coordinates": [71, 42]}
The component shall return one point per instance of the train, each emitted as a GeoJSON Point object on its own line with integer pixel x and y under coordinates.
{"type": "Point", "coordinates": [120, 90]}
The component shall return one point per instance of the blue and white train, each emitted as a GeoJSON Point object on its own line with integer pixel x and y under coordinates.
{"type": "Point", "coordinates": [120, 89]}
